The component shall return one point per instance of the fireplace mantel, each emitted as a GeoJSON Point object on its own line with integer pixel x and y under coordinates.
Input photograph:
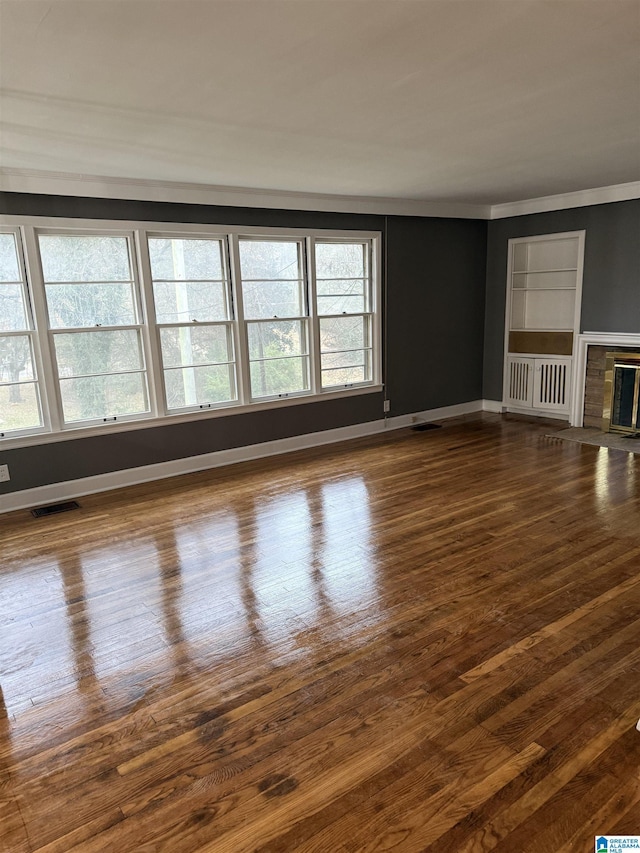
{"type": "Point", "coordinates": [583, 341]}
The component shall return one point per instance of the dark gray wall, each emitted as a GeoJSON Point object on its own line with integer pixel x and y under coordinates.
{"type": "Point", "coordinates": [434, 295]}
{"type": "Point", "coordinates": [84, 457]}
{"type": "Point", "coordinates": [436, 281]}
{"type": "Point", "coordinates": [611, 283]}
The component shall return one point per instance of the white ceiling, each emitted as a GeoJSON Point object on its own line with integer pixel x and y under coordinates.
{"type": "Point", "coordinates": [475, 101]}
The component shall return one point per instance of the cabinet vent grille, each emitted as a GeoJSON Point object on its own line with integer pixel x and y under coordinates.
{"type": "Point", "coordinates": [553, 384]}
{"type": "Point", "coordinates": [519, 379]}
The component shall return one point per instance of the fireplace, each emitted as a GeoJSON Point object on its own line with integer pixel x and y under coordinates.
{"type": "Point", "coordinates": [621, 411]}
{"type": "Point", "coordinates": [590, 367]}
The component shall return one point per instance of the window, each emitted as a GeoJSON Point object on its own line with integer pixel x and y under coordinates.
{"type": "Point", "coordinates": [193, 313]}
{"type": "Point", "coordinates": [104, 324]}
{"type": "Point", "coordinates": [93, 313]}
{"type": "Point", "coordinates": [343, 295]}
{"type": "Point", "coordinates": [20, 406]}
{"type": "Point", "coordinates": [275, 312]}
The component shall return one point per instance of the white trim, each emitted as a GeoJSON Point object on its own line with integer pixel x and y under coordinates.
{"type": "Point", "coordinates": [44, 182]}
{"type": "Point", "coordinates": [440, 414]}
{"type": "Point", "coordinates": [493, 406]}
{"type": "Point", "coordinates": [96, 186]}
{"type": "Point", "coordinates": [133, 476]}
{"type": "Point", "coordinates": [583, 342]}
{"type": "Point", "coordinates": [565, 201]}
{"type": "Point", "coordinates": [580, 235]}
{"type": "Point", "coordinates": [537, 413]}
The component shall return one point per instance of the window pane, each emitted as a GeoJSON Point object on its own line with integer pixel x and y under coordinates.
{"type": "Point", "coordinates": [344, 333]}
{"type": "Point", "coordinates": [341, 287]}
{"type": "Point", "coordinates": [67, 257]}
{"type": "Point", "coordinates": [276, 338]}
{"type": "Point", "coordinates": [94, 397]}
{"type": "Point", "coordinates": [197, 386]}
{"type": "Point", "coordinates": [279, 376]}
{"type": "Point", "coordinates": [341, 304]}
{"type": "Point", "coordinates": [83, 353]}
{"type": "Point", "coordinates": [19, 407]}
{"type": "Point", "coordinates": [345, 368]}
{"type": "Point", "coordinates": [341, 260]}
{"type": "Point", "coordinates": [275, 259]}
{"type": "Point", "coordinates": [12, 315]}
{"type": "Point", "coordinates": [76, 305]}
{"type": "Point", "coordinates": [178, 259]}
{"type": "Point", "coordinates": [16, 362]}
{"type": "Point", "coordinates": [182, 301]}
{"type": "Point", "coordinates": [9, 270]}
{"type": "Point", "coordinates": [344, 376]}
{"type": "Point", "coordinates": [354, 358]}
{"type": "Point", "coordinates": [272, 299]}
{"type": "Point", "coordinates": [195, 345]}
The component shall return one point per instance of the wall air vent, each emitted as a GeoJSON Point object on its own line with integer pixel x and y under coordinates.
{"type": "Point", "coordinates": [54, 509]}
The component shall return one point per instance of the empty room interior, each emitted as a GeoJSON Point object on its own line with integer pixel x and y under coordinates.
{"type": "Point", "coordinates": [319, 421]}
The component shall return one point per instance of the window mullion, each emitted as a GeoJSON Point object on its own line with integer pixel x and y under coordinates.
{"type": "Point", "coordinates": [143, 340]}
{"type": "Point", "coordinates": [242, 338]}
{"type": "Point", "coordinates": [150, 331]}
{"type": "Point", "coordinates": [314, 321]}
{"type": "Point", "coordinates": [51, 399]}
{"type": "Point", "coordinates": [374, 306]}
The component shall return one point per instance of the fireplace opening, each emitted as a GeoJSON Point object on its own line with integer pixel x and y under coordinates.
{"type": "Point", "coordinates": [621, 409]}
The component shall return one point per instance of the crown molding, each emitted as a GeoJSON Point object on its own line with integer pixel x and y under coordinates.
{"type": "Point", "coordinates": [565, 201]}
{"type": "Point", "coordinates": [95, 186]}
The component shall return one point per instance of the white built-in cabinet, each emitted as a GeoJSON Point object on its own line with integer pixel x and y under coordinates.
{"type": "Point", "coordinates": [539, 383]}
{"type": "Point", "coordinates": [544, 286]}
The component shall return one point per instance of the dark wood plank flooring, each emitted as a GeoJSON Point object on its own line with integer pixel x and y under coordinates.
{"type": "Point", "coordinates": [414, 642]}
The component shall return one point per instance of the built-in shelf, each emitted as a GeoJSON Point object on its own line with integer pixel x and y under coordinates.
{"type": "Point", "coordinates": [543, 298]}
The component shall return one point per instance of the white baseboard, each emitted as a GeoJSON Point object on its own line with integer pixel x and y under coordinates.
{"type": "Point", "coordinates": [493, 406]}
{"type": "Point", "coordinates": [538, 413]}
{"type": "Point", "coordinates": [435, 414]}
{"type": "Point", "coordinates": [69, 489]}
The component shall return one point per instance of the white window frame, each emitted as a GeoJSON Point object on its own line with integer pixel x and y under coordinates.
{"type": "Point", "coordinates": [32, 333]}
{"type": "Point", "coordinates": [304, 319]}
{"type": "Point", "coordinates": [155, 325]}
{"type": "Point", "coordinates": [369, 313]}
{"type": "Point", "coordinates": [141, 326]}
{"type": "Point", "coordinates": [137, 232]}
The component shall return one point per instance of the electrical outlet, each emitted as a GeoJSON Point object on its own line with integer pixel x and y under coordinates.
{"type": "Point", "coordinates": [4, 474]}
{"type": "Point", "coordinates": [387, 405]}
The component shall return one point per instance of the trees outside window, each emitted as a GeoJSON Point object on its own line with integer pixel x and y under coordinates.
{"type": "Point", "coordinates": [103, 324]}
{"type": "Point", "coordinates": [20, 408]}
{"type": "Point", "coordinates": [93, 312]}
{"type": "Point", "coordinates": [275, 304]}
{"type": "Point", "coordinates": [193, 312]}
{"type": "Point", "coordinates": [343, 288]}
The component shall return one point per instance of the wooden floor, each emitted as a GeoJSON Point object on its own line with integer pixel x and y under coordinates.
{"type": "Point", "coordinates": [422, 641]}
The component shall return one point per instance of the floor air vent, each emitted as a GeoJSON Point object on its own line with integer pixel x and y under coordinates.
{"type": "Point", "coordinates": [425, 427]}
{"type": "Point", "coordinates": [54, 508]}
